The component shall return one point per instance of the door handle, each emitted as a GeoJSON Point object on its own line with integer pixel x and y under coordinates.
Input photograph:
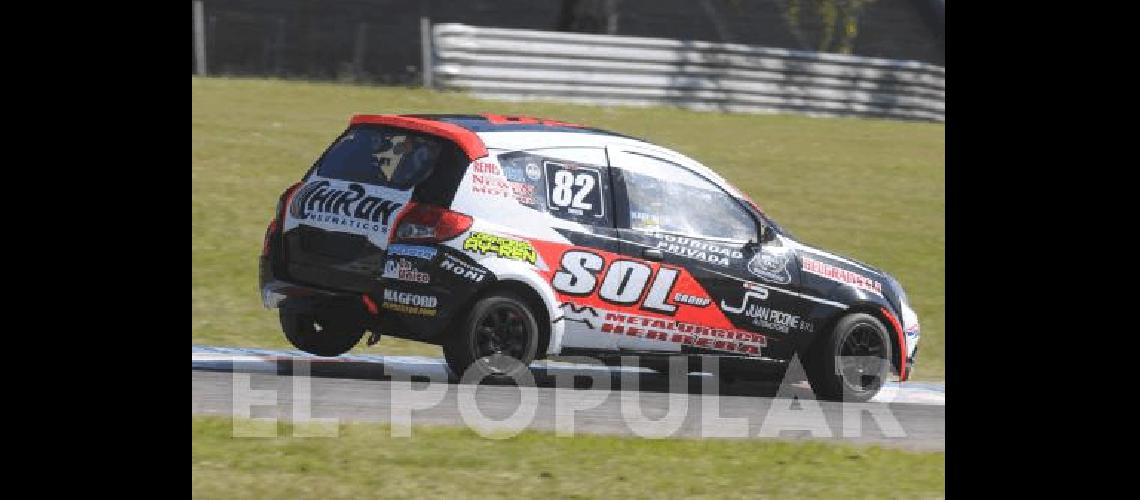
{"type": "Point", "coordinates": [653, 254]}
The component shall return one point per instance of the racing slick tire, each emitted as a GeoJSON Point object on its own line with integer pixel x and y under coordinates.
{"type": "Point", "coordinates": [498, 338]}
{"type": "Point", "coordinates": [852, 362]}
{"type": "Point", "coordinates": [323, 334]}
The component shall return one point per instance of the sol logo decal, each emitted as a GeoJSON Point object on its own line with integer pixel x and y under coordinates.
{"type": "Point", "coordinates": [624, 282]}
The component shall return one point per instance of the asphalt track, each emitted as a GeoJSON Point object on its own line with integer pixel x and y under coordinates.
{"type": "Point", "coordinates": [393, 388]}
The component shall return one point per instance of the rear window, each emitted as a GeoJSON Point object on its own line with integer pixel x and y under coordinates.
{"type": "Point", "coordinates": [381, 156]}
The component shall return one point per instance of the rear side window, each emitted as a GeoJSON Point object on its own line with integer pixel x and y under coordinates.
{"type": "Point", "coordinates": [570, 190]}
{"type": "Point", "coordinates": [381, 156]}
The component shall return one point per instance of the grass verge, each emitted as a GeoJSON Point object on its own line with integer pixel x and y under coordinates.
{"type": "Point", "coordinates": [364, 461]}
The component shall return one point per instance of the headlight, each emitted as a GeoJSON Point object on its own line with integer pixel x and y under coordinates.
{"type": "Point", "coordinates": [894, 284]}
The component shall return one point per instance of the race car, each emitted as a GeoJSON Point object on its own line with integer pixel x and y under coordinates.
{"type": "Point", "coordinates": [506, 239]}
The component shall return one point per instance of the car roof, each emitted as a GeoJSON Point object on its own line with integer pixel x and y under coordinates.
{"type": "Point", "coordinates": [488, 122]}
{"type": "Point", "coordinates": [475, 133]}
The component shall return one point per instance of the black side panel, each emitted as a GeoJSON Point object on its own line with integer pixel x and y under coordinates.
{"type": "Point", "coordinates": [345, 262]}
{"type": "Point", "coordinates": [426, 288]}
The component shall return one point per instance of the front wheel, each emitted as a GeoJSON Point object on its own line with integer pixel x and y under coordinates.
{"type": "Point", "coordinates": [320, 334]}
{"type": "Point", "coordinates": [499, 337]}
{"type": "Point", "coordinates": [852, 362]}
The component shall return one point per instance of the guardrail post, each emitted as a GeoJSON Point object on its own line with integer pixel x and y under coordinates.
{"type": "Point", "coordinates": [199, 38]}
{"type": "Point", "coordinates": [425, 51]}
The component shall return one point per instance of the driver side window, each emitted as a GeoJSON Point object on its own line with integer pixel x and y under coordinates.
{"type": "Point", "coordinates": [664, 196]}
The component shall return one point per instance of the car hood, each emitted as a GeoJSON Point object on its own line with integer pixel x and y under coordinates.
{"type": "Point", "coordinates": [802, 248]}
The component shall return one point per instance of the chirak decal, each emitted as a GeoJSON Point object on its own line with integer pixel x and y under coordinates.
{"type": "Point", "coordinates": [841, 275]}
{"type": "Point", "coordinates": [771, 265]}
{"type": "Point", "coordinates": [506, 248]}
{"type": "Point", "coordinates": [405, 270]}
{"type": "Point", "coordinates": [766, 317]}
{"type": "Point", "coordinates": [462, 269]}
{"type": "Point", "coordinates": [697, 249]}
{"type": "Point", "coordinates": [350, 207]}
{"type": "Point", "coordinates": [410, 303]}
{"type": "Point", "coordinates": [665, 330]}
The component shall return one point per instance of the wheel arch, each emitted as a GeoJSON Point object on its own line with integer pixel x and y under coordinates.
{"type": "Point", "coordinates": [532, 299]}
{"type": "Point", "coordinates": [889, 320]}
{"type": "Point", "coordinates": [529, 285]}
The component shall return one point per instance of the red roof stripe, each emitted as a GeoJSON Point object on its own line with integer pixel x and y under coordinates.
{"type": "Point", "coordinates": [525, 120]}
{"type": "Point", "coordinates": [471, 144]}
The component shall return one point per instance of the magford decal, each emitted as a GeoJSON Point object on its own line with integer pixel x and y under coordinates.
{"type": "Point", "coordinates": [410, 303]}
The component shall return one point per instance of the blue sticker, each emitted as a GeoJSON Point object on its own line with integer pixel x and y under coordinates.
{"type": "Point", "coordinates": [514, 172]}
{"type": "Point", "coordinates": [419, 252]}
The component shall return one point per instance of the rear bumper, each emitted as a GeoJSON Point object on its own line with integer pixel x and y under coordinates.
{"type": "Point", "coordinates": [275, 291]}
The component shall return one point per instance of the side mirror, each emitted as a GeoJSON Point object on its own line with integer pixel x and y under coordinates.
{"type": "Point", "coordinates": [754, 242]}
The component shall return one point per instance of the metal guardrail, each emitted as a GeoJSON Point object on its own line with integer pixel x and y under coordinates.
{"type": "Point", "coordinates": [619, 70]}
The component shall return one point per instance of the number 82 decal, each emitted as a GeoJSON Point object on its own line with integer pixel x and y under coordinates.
{"type": "Point", "coordinates": [577, 190]}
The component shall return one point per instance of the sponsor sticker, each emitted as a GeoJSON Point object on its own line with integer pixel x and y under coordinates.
{"type": "Point", "coordinates": [701, 250]}
{"type": "Point", "coordinates": [770, 264]}
{"type": "Point", "coordinates": [351, 206]}
{"type": "Point", "coordinates": [487, 178]}
{"type": "Point", "coordinates": [532, 171]}
{"type": "Point", "coordinates": [507, 248]}
{"type": "Point", "coordinates": [410, 303]}
{"type": "Point", "coordinates": [462, 269]}
{"type": "Point", "coordinates": [912, 331]}
{"type": "Point", "coordinates": [841, 275]}
{"type": "Point", "coordinates": [767, 317]}
{"type": "Point", "coordinates": [644, 220]}
{"type": "Point", "coordinates": [419, 252]}
{"type": "Point", "coordinates": [405, 270]}
{"type": "Point", "coordinates": [683, 298]}
{"type": "Point", "coordinates": [514, 172]}
{"type": "Point", "coordinates": [523, 193]}
{"type": "Point", "coordinates": [665, 330]}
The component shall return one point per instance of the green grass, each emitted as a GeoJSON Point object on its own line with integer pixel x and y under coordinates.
{"type": "Point", "coordinates": [364, 461]}
{"type": "Point", "coordinates": [869, 189]}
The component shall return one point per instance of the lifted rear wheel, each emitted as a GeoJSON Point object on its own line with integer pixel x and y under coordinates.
{"type": "Point", "coordinates": [320, 333]}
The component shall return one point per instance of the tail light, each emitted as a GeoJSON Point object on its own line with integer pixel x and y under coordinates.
{"type": "Point", "coordinates": [430, 224]}
{"type": "Point", "coordinates": [278, 216]}
{"type": "Point", "coordinates": [268, 237]}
